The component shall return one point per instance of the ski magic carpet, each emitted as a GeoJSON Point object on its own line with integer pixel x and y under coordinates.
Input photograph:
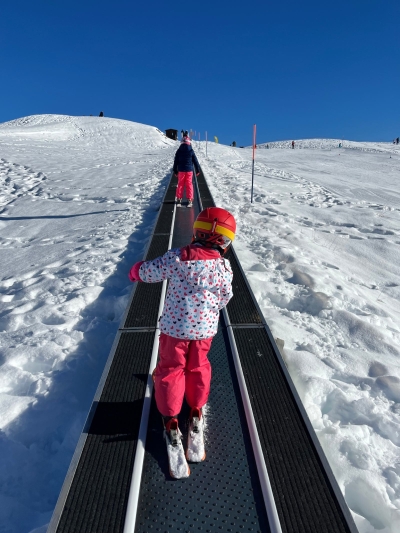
{"type": "Point", "coordinates": [223, 492]}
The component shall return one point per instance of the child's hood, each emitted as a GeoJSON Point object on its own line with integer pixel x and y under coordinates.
{"type": "Point", "coordinates": [200, 266]}
{"type": "Point", "coordinates": [185, 148]}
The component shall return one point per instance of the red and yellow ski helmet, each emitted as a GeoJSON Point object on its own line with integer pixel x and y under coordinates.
{"type": "Point", "coordinates": [215, 226]}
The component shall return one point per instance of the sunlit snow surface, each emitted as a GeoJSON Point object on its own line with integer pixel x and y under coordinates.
{"type": "Point", "coordinates": [320, 246]}
{"type": "Point", "coordinates": [78, 198]}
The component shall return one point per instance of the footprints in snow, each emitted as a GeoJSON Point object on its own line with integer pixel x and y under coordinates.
{"type": "Point", "coordinates": [16, 181]}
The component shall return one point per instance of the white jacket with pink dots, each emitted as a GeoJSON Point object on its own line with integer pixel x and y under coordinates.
{"type": "Point", "coordinates": [200, 286]}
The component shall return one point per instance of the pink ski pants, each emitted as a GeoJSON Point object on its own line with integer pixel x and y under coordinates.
{"type": "Point", "coordinates": [185, 180]}
{"type": "Point", "coordinates": [183, 370]}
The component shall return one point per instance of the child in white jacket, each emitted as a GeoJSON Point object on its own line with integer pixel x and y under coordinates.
{"type": "Point", "coordinates": [200, 286]}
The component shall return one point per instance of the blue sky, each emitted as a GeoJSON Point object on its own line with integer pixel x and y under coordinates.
{"type": "Point", "coordinates": [296, 69]}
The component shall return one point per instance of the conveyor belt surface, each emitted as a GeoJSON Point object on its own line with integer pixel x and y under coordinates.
{"type": "Point", "coordinates": [97, 498]}
{"type": "Point", "coordinates": [224, 492]}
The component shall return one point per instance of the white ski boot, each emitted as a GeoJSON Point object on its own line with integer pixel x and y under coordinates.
{"type": "Point", "coordinates": [195, 451]}
{"type": "Point", "coordinates": [178, 467]}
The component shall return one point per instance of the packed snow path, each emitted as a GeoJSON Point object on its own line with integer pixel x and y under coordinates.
{"type": "Point", "coordinates": [226, 490]}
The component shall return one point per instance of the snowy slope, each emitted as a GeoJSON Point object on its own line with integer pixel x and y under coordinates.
{"type": "Point", "coordinates": [332, 144]}
{"type": "Point", "coordinates": [78, 197]}
{"type": "Point", "coordinates": [321, 248]}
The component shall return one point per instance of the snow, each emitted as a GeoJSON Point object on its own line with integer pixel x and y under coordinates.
{"type": "Point", "coordinates": [320, 246]}
{"type": "Point", "coordinates": [79, 196]}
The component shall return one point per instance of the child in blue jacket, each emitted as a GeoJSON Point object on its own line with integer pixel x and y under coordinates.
{"type": "Point", "coordinates": [185, 159]}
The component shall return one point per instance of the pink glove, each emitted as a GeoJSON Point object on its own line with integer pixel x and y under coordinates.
{"type": "Point", "coordinates": [134, 271]}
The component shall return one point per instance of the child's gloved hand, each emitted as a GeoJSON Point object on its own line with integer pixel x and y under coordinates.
{"type": "Point", "coordinates": [134, 271]}
{"type": "Point", "coordinates": [197, 174]}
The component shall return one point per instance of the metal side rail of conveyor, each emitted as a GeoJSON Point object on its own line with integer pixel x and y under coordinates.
{"type": "Point", "coordinates": [264, 472]}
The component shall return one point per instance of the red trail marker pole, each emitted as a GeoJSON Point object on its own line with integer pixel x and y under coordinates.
{"type": "Point", "coordinates": [252, 170]}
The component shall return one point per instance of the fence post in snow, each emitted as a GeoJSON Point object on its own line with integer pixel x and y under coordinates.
{"type": "Point", "coordinates": [206, 144]}
{"type": "Point", "coordinates": [252, 170]}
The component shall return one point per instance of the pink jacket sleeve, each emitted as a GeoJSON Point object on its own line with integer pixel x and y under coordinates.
{"type": "Point", "coordinates": [134, 271]}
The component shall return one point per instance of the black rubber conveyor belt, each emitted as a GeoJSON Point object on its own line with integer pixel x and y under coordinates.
{"type": "Point", "coordinates": [223, 493]}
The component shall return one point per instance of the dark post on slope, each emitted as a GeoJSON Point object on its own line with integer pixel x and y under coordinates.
{"type": "Point", "coordinates": [252, 169]}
